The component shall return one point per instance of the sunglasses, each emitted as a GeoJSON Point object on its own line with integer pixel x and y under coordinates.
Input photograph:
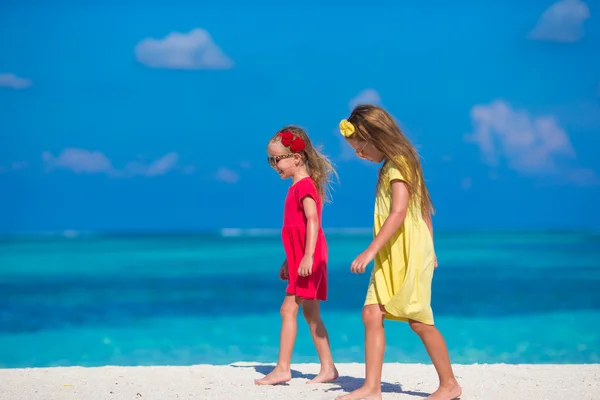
{"type": "Point", "coordinates": [275, 159]}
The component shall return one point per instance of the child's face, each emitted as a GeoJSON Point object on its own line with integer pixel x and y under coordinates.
{"type": "Point", "coordinates": [282, 160]}
{"type": "Point", "coordinates": [366, 150]}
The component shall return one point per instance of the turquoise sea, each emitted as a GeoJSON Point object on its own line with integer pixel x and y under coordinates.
{"type": "Point", "coordinates": [77, 299]}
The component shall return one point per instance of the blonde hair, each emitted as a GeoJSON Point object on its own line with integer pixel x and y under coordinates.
{"type": "Point", "coordinates": [376, 126]}
{"type": "Point", "coordinates": [319, 167]}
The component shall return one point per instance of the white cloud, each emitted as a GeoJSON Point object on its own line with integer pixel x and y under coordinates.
{"type": "Point", "coordinates": [367, 96]}
{"type": "Point", "coordinates": [79, 161]}
{"type": "Point", "coordinates": [84, 161]}
{"type": "Point", "coordinates": [160, 166]}
{"type": "Point", "coordinates": [562, 22]}
{"type": "Point", "coordinates": [534, 146]}
{"type": "Point", "coordinates": [190, 51]}
{"type": "Point", "coordinates": [227, 175]}
{"type": "Point", "coordinates": [13, 81]}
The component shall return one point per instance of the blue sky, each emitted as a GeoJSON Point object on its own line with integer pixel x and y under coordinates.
{"type": "Point", "coordinates": [155, 115]}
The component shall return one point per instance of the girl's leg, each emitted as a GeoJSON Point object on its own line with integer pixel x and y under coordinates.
{"type": "Point", "coordinates": [289, 327]}
{"type": "Point", "coordinates": [438, 352]}
{"type": "Point", "coordinates": [312, 314]}
{"type": "Point", "coordinates": [374, 349]}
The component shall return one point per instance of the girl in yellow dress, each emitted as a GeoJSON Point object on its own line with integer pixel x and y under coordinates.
{"type": "Point", "coordinates": [402, 248]}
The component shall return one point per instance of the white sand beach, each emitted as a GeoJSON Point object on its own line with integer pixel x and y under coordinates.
{"type": "Point", "coordinates": [401, 381]}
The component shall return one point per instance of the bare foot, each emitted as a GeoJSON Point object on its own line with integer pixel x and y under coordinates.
{"type": "Point", "coordinates": [325, 375]}
{"type": "Point", "coordinates": [362, 393]}
{"type": "Point", "coordinates": [275, 377]}
{"type": "Point", "coordinates": [446, 392]}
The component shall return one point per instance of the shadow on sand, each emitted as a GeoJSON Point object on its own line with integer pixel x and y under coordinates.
{"type": "Point", "coordinates": [343, 383]}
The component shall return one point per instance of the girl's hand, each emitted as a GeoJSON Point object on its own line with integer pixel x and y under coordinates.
{"type": "Point", "coordinates": [360, 263]}
{"type": "Point", "coordinates": [305, 268]}
{"type": "Point", "coordinates": [284, 274]}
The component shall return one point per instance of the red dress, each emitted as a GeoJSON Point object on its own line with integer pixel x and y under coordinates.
{"type": "Point", "coordinates": [293, 235]}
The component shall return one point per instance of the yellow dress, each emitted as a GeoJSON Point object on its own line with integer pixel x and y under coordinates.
{"type": "Point", "coordinates": [403, 271]}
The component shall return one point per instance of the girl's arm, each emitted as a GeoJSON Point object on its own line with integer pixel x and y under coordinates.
{"type": "Point", "coordinates": [391, 225]}
{"type": "Point", "coordinates": [396, 218]}
{"type": "Point", "coordinates": [312, 231]}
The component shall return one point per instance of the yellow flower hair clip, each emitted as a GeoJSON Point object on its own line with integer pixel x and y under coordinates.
{"type": "Point", "coordinates": [346, 128]}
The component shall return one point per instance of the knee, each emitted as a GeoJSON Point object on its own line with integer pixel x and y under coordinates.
{"type": "Point", "coordinates": [418, 327]}
{"type": "Point", "coordinates": [372, 316]}
{"type": "Point", "coordinates": [288, 310]}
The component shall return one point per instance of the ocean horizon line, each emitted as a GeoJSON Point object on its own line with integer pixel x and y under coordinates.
{"type": "Point", "coordinates": [266, 232]}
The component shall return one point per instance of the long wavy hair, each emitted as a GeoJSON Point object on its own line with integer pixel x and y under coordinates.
{"type": "Point", "coordinates": [376, 126]}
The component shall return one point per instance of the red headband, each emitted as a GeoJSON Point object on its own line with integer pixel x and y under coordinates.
{"type": "Point", "coordinates": [295, 143]}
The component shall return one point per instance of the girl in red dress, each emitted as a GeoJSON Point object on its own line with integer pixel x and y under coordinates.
{"type": "Point", "coordinates": [293, 156]}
